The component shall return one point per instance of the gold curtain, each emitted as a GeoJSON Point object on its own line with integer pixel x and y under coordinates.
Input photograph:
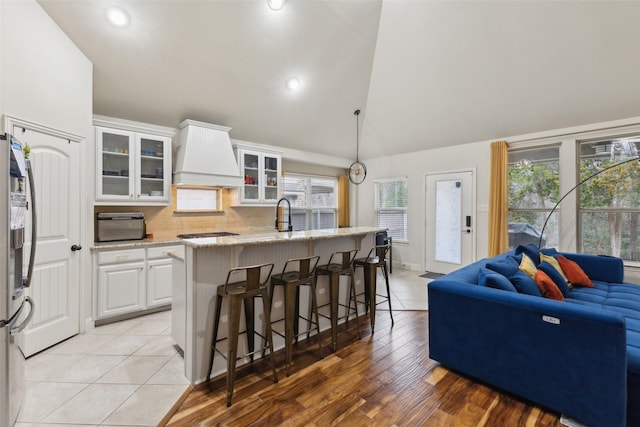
{"type": "Point", "coordinates": [343, 201]}
{"type": "Point", "coordinates": [498, 203]}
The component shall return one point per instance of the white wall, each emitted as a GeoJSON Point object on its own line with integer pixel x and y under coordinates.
{"type": "Point", "coordinates": [475, 156]}
{"type": "Point", "coordinates": [46, 79]}
{"type": "Point", "coordinates": [415, 166]}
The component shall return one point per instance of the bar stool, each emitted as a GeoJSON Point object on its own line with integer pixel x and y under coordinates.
{"type": "Point", "coordinates": [370, 266]}
{"type": "Point", "coordinates": [244, 290]}
{"type": "Point", "coordinates": [291, 280]}
{"type": "Point", "coordinates": [340, 264]}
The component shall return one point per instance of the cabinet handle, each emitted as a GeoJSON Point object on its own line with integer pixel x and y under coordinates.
{"type": "Point", "coordinates": [122, 256]}
{"type": "Point", "coordinates": [131, 195]}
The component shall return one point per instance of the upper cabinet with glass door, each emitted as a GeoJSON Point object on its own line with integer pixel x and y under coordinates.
{"type": "Point", "coordinates": [261, 172]}
{"type": "Point", "coordinates": [132, 168]}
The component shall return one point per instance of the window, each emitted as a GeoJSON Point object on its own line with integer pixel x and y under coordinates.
{"type": "Point", "coordinates": [534, 184]}
{"type": "Point", "coordinates": [609, 199]}
{"type": "Point", "coordinates": [197, 199]}
{"type": "Point", "coordinates": [391, 207]}
{"type": "Point", "coordinates": [314, 201]}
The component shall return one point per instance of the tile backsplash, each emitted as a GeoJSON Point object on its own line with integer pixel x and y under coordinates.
{"type": "Point", "coordinates": [164, 223]}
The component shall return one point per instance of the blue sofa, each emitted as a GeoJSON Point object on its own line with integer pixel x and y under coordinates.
{"type": "Point", "coordinates": [579, 357]}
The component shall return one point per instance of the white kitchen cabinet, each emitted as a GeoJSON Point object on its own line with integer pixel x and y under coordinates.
{"type": "Point", "coordinates": [132, 168]}
{"type": "Point", "coordinates": [133, 280]}
{"type": "Point", "coordinates": [261, 173]}
{"type": "Point", "coordinates": [121, 282]}
{"type": "Point", "coordinates": [160, 275]}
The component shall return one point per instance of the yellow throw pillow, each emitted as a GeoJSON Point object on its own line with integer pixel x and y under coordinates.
{"type": "Point", "coordinates": [528, 266]}
{"type": "Point", "coordinates": [554, 263]}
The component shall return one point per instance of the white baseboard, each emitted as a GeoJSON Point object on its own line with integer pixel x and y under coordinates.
{"type": "Point", "coordinates": [89, 325]}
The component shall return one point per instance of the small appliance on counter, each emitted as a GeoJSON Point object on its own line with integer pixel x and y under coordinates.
{"type": "Point", "coordinates": [112, 227]}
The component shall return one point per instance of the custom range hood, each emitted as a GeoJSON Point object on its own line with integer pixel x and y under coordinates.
{"type": "Point", "coordinates": [205, 156]}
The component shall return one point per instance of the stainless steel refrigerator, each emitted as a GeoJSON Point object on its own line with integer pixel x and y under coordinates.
{"type": "Point", "coordinates": [17, 202]}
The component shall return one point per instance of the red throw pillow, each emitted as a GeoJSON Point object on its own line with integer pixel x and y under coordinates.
{"type": "Point", "coordinates": [575, 275]}
{"type": "Point", "coordinates": [548, 288]}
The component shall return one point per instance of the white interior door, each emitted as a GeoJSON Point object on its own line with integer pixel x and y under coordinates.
{"type": "Point", "coordinates": [450, 221]}
{"type": "Point", "coordinates": [56, 274]}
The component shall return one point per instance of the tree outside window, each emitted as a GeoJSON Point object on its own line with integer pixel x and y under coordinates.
{"type": "Point", "coordinates": [534, 184]}
{"type": "Point", "coordinates": [609, 202]}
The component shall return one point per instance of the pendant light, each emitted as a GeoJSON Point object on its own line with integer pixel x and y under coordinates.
{"type": "Point", "coordinates": [357, 170]}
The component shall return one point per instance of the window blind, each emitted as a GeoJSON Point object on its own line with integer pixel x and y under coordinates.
{"type": "Point", "coordinates": [391, 206]}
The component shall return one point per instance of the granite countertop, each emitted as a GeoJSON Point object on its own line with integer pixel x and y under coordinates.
{"type": "Point", "coordinates": [279, 237]}
{"type": "Point", "coordinates": [129, 244]}
{"type": "Point", "coordinates": [241, 239]}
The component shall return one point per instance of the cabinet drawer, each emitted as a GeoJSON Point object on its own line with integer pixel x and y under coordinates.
{"type": "Point", "coordinates": [161, 251]}
{"type": "Point", "coordinates": [120, 256]}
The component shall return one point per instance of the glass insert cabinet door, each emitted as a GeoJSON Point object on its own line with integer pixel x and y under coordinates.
{"type": "Point", "coordinates": [270, 183]}
{"type": "Point", "coordinates": [251, 173]}
{"type": "Point", "coordinates": [132, 167]}
{"type": "Point", "coordinates": [116, 157]}
{"type": "Point", "coordinates": [151, 167]}
{"type": "Point", "coordinates": [261, 177]}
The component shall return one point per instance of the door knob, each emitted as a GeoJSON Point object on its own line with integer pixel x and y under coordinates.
{"type": "Point", "coordinates": [75, 248]}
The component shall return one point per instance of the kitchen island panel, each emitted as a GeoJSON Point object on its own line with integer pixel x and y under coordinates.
{"type": "Point", "coordinates": [207, 267]}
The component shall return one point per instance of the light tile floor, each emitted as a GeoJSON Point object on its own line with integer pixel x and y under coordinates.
{"type": "Point", "coordinates": [122, 374]}
{"type": "Point", "coordinates": [129, 374]}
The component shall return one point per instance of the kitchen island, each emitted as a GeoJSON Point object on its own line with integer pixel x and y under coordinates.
{"type": "Point", "coordinates": [206, 263]}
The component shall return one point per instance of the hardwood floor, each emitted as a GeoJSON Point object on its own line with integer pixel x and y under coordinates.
{"type": "Point", "coordinates": [382, 380]}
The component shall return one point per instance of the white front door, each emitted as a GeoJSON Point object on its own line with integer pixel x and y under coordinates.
{"type": "Point", "coordinates": [56, 274]}
{"type": "Point", "coordinates": [450, 221]}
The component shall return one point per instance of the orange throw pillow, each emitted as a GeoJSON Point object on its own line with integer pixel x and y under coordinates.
{"type": "Point", "coordinates": [548, 288]}
{"type": "Point", "coordinates": [575, 275]}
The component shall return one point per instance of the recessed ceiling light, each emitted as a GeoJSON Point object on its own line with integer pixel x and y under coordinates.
{"type": "Point", "coordinates": [275, 4]}
{"type": "Point", "coordinates": [117, 16]}
{"type": "Point", "coordinates": [293, 83]}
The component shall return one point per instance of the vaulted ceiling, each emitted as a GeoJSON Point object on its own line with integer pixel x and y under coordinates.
{"type": "Point", "coordinates": [425, 74]}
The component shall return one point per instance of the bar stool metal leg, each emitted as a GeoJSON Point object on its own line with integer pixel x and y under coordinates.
{"type": "Point", "coordinates": [342, 267]}
{"type": "Point", "coordinates": [297, 272]}
{"type": "Point", "coordinates": [386, 279]}
{"type": "Point", "coordinates": [267, 315]}
{"type": "Point", "coordinates": [377, 257]}
{"type": "Point", "coordinates": [314, 310]}
{"type": "Point", "coordinates": [232, 349]}
{"type": "Point", "coordinates": [370, 272]}
{"type": "Point", "coordinates": [334, 288]}
{"type": "Point", "coordinates": [249, 310]}
{"type": "Point", "coordinates": [237, 293]}
{"type": "Point", "coordinates": [289, 330]}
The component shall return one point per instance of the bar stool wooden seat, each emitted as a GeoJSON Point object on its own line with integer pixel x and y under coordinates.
{"type": "Point", "coordinates": [377, 258]}
{"type": "Point", "coordinates": [340, 264]}
{"type": "Point", "coordinates": [253, 283]}
{"type": "Point", "coordinates": [296, 272]}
